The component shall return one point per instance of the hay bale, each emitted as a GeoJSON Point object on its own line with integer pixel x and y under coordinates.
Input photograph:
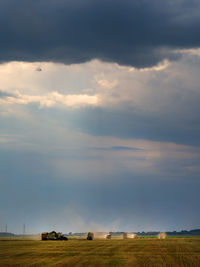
{"type": "Point", "coordinates": [125, 236]}
{"type": "Point", "coordinates": [133, 236]}
{"type": "Point", "coordinates": [162, 235]}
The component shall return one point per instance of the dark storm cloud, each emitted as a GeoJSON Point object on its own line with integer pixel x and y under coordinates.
{"type": "Point", "coordinates": [138, 33]}
{"type": "Point", "coordinates": [169, 127]}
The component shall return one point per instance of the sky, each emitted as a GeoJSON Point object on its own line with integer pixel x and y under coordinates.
{"type": "Point", "coordinates": [99, 115]}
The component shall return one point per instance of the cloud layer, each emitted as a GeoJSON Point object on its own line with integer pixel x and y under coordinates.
{"type": "Point", "coordinates": [136, 33]}
{"type": "Point", "coordinates": [124, 141]}
{"type": "Point", "coordinates": [103, 99]}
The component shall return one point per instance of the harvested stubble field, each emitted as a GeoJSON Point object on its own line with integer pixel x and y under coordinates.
{"type": "Point", "coordinates": [149, 252]}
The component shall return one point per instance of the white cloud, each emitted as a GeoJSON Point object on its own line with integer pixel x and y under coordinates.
{"type": "Point", "coordinates": [52, 99]}
{"type": "Point", "coordinates": [101, 84]}
{"type": "Point", "coordinates": [191, 51]}
{"type": "Point", "coordinates": [161, 66]}
{"type": "Point", "coordinates": [107, 84]}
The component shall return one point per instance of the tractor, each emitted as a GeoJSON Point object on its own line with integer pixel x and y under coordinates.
{"type": "Point", "coordinates": [53, 236]}
{"type": "Point", "coordinates": [108, 236]}
{"type": "Point", "coordinates": [90, 236]}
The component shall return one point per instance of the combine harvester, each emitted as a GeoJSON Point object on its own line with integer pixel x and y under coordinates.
{"type": "Point", "coordinates": [53, 236]}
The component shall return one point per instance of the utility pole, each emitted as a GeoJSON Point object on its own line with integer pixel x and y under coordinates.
{"type": "Point", "coordinates": [6, 228]}
{"type": "Point", "coordinates": [24, 229]}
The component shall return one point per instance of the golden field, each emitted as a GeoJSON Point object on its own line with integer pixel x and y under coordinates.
{"type": "Point", "coordinates": [150, 252]}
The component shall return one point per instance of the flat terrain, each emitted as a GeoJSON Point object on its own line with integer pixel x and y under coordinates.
{"type": "Point", "coordinates": [149, 252]}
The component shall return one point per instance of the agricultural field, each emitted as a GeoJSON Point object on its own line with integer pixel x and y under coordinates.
{"type": "Point", "coordinates": [150, 252]}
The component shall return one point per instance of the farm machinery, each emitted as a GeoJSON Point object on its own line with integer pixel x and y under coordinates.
{"type": "Point", "coordinates": [108, 236]}
{"type": "Point", "coordinates": [90, 236]}
{"type": "Point", "coordinates": [53, 236]}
